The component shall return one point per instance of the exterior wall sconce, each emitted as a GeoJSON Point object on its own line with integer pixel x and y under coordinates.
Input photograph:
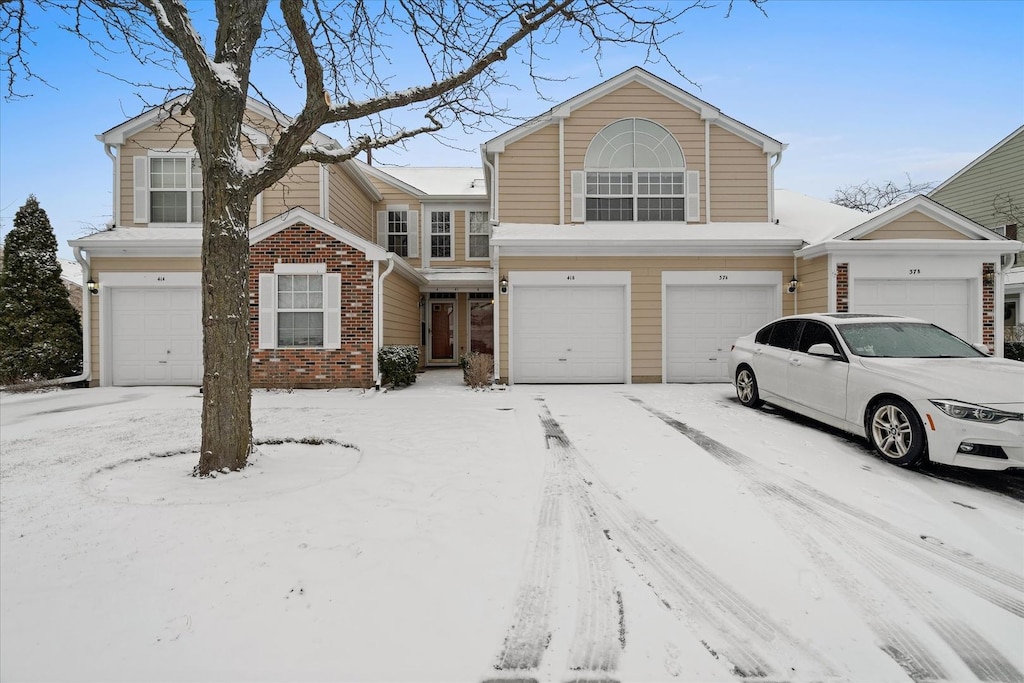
{"type": "Point", "coordinates": [503, 284]}
{"type": "Point", "coordinates": [793, 284]}
{"type": "Point", "coordinates": [989, 278]}
{"type": "Point", "coordinates": [92, 286]}
{"type": "Point", "coordinates": [423, 301]}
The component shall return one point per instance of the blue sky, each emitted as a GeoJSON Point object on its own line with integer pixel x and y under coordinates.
{"type": "Point", "coordinates": [860, 90]}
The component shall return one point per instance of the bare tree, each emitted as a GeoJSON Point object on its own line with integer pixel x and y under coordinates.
{"type": "Point", "coordinates": [869, 196]}
{"type": "Point", "coordinates": [352, 60]}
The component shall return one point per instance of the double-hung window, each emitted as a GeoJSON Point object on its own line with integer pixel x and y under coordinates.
{"type": "Point", "coordinates": [441, 234]}
{"type": "Point", "coordinates": [635, 171]}
{"type": "Point", "coordinates": [398, 230]}
{"type": "Point", "coordinates": [168, 189]}
{"type": "Point", "coordinates": [300, 307]}
{"type": "Point", "coordinates": [478, 239]}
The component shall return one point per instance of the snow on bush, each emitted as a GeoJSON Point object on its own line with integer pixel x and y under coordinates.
{"type": "Point", "coordinates": [398, 364]}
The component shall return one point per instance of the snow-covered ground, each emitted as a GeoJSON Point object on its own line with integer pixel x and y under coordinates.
{"type": "Point", "coordinates": [554, 533]}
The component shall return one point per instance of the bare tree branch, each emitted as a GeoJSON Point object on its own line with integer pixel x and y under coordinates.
{"type": "Point", "coordinates": [869, 196]}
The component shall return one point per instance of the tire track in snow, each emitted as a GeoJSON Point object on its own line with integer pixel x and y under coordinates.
{"type": "Point", "coordinates": [729, 627]}
{"type": "Point", "coordinates": [599, 631]}
{"type": "Point", "coordinates": [847, 524]}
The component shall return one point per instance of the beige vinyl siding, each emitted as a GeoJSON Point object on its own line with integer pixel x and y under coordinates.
{"type": "Point", "coordinates": [528, 179]}
{"type": "Point", "coordinates": [631, 101]}
{"type": "Point", "coordinates": [645, 301]}
{"type": "Point", "coordinates": [300, 187]}
{"type": "Point", "coordinates": [739, 179]}
{"type": "Point", "coordinates": [401, 315]}
{"type": "Point", "coordinates": [395, 197]}
{"type": "Point", "coordinates": [172, 134]}
{"type": "Point", "coordinates": [914, 225]}
{"type": "Point", "coordinates": [1000, 174]}
{"type": "Point", "coordinates": [349, 206]}
{"type": "Point", "coordinates": [812, 297]}
{"type": "Point", "coordinates": [100, 265]}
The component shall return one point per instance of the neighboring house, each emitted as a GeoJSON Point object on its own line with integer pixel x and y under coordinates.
{"type": "Point", "coordinates": [990, 192]}
{"type": "Point", "coordinates": [71, 277]}
{"type": "Point", "coordinates": [629, 234]}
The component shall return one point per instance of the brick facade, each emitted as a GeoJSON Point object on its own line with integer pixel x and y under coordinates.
{"type": "Point", "coordinates": [988, 305]}
{"type": "Point", "coordinates": [843, 288]}
{"type": "Point", "coordinates": [315, 368]}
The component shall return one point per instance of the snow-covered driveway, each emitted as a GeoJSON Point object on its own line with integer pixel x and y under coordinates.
{"type": "Point", "coordinates": [633, 533]}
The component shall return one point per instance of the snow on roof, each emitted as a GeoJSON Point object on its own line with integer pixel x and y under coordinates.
{"type": "Point", "coordinates": [440, 180]}
{"type": "Point", "coordinates": [815, 219]}
{"type": "Point", "coordinates": [641, 233]}
{"type": "Point", "coordinates": [115, 235]}
{"type": "Point", "coordinates": [458, 275]}
{"type": "Point", "coordinates": [71, 271]}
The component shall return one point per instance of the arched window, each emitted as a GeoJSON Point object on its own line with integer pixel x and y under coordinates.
{"type": "Point", "coordinates": [635, 170]}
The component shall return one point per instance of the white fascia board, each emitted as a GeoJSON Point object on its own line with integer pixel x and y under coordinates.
{"type": "Point", "coordinates": [410, 273]}
{"type": "Point", "coordinates": [920, 247]}
{"type": "Point", "coordinates": [372, 251]}
{"type": "Point", "coordinates": [652, 248]}
{"type": "Point", "coordinates": [767, 144]}
{"type": "Point", "coordinates": [121, 132]}
{"type": "Point", "coordinates": [385, 177]}
{"type": "Point", "coordinates": [185, 248]}
{"type": "Point", "coordinates": [356, 173]}
{"type": "Point", "coordinates": [928, 207]}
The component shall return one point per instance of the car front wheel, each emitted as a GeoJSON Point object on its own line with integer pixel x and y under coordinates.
{"type": "Point", "coordinates": [746, 388]}
{"type": "Point", "coordinates": [896, 432]}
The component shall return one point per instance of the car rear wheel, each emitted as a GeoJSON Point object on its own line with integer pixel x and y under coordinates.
{"type": "Point", "coordinates": [746, 388]}
{"type": "Point", "coordinates": [896, 432]}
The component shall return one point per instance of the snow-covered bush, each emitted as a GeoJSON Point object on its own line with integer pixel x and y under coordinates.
{"type": "Point", "coordinates": [398, 364]}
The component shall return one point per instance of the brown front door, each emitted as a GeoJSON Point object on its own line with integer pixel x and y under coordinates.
{"type": "Point", "coordinates": [442, 332]}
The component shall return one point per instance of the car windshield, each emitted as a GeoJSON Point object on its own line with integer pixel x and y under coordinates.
{"type": "Point", "coordinates": [893, 339]}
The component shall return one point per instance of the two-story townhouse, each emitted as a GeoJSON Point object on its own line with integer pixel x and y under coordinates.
{"type": "Point", "coordinates": [629, 234]}
{"type": "Point", "coordinates": [990, 192]}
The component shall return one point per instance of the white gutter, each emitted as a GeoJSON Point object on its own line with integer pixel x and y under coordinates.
{"type": "Point", "coordinates": [493, 208]}
{"type": "Point", "coordinates": [86, 328]}
{"type": "Point", "coordinates": [561, 171]}
{"type": "Point", "coordinates": [497, 314]}
{"type": "Point", "coordinates": [115, 217]}
{"type": "Point", "coordinates": [771, 186]}
{"type": "Point", "coordinates": [378, 314]}
{"type": "Point", "coordinates": [707, 170]}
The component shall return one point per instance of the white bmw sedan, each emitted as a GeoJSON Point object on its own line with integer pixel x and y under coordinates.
{"type": "Point", "coordinates": [912, 389]}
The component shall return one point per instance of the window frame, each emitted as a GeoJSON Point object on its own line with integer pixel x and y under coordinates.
{"type": "Point", "coordinates": [450, 234]}
{"type": "Point", "coordinates": [320, 310]}
{"type": "Point", "coordinates": [190, 190]}
{"type": "Point", "coordinates": [269, 308]}
{"type": "Point", "coordinates": [470, 234]}
{"type": "Point", "coordinates": [393, 234]}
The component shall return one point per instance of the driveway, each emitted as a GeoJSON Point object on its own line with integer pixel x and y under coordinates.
{"type": "Point", "coordinates": [547, 533]}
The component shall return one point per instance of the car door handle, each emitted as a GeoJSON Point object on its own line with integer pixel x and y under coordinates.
{"type": "Point", "coordinates": [795, 361]}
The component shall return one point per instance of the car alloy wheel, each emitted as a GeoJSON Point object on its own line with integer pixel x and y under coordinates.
{"type": "Point", "coordinates": [746, 388]}
{"type": "Point", "coordinates": [896, 432]}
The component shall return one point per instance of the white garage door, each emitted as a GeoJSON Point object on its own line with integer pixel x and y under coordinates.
{"type": "Point", "coordinates": [157, 336]}
{"type": "Point", "coordinates": [702, 322]}
{"type": "Point", "coordinates": [571, 335]}
{"type": "Point", "coordinates": [943, 302]}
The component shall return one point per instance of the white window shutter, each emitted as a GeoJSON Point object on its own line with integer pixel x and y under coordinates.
{"type": "Point", "coordinates": [141, 184]}
{"type": "Point", "coordinates": [332, 312]}
{"type": "Point", "coordinates": [382, 228]}
{"type": "Point", "coordinates": [693, 196]}
{"type": "Point", "coordinates": [579, 196]}
{"type": "Point", "coordinates": [414, 234]}
{"type": "Point", "coordinates": [268, 311]}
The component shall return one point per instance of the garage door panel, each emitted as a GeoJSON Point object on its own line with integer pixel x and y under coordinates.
{"type": "Point", "coordinates": [568, 334]}
{"type": "Point", "coordinates": [156, 336]}
{"type": "Point", "coordinates": [943, 302]}
{"type": "Point", "coordinates": [702, 322]}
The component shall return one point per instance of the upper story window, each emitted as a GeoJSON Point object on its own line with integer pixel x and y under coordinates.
{"type": "Point", "coordinates": [635, 171]}
{"type": "Point", "coordinates": [169, 189]}
{"type": "Point", "coordinates": [478, 239]}
{"type": "Point", "coordinates": [441, 234]}
{"type": "Point", "coordinates": [398, 230]}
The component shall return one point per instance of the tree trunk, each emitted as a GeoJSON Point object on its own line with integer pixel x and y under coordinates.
{"type": "Point", "coordinates": [226, 423]}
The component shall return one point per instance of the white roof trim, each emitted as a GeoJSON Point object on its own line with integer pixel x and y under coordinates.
{"type": "Point", "coordinates": [977, 161]}
{"type": "Point", "coordinates": [930, 208]}
{"type": "Point", "coordinates": [979, 248]}
{"type": "Point", "coordinates": [121, 132]}
{"type": "Point", "coordinates": [289, 218]}
{"type": "Point", "coordinates": [637, 75]}
{"type": "Point", "coordinates": [385, 177]}
{"type": "Point", "coordinates": [356, 173]}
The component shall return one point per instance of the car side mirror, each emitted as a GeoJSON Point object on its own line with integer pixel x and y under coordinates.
{"type": "Point", "coordinates": [822, 349]}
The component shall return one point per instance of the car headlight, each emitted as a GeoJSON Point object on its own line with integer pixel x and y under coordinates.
{"type": "Point", "coordinates": [969, 411]}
